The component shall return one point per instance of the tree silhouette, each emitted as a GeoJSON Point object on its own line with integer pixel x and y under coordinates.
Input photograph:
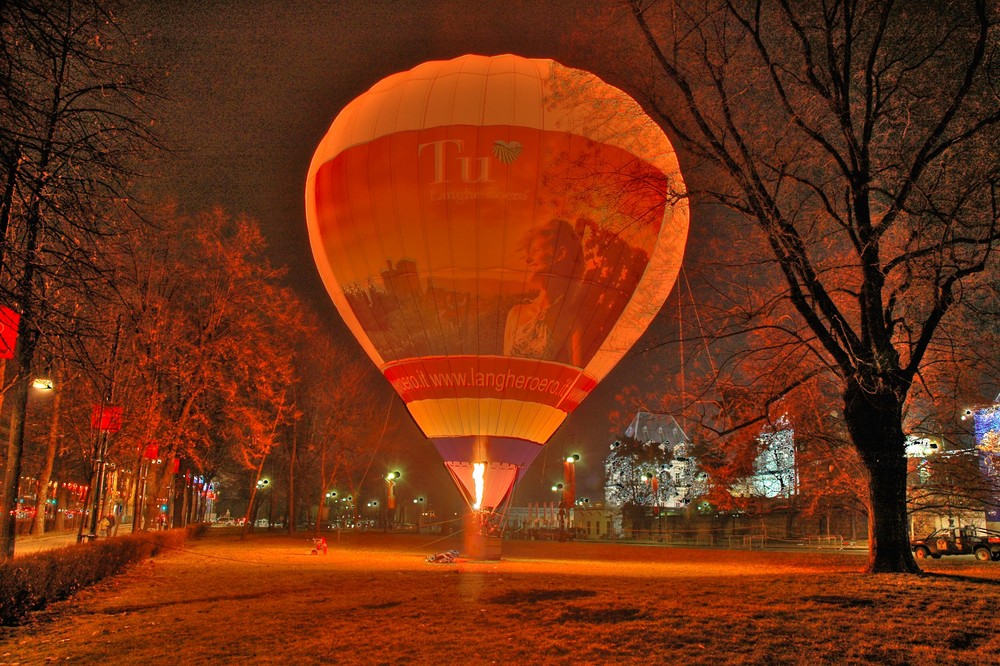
{"type": "Point", "coordinates": [72, 128]}
{"type": "Point", "coordinates": [854, 144]}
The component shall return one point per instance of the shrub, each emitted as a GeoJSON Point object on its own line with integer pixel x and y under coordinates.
{"type": "Point", "coordinates": [32, 582]}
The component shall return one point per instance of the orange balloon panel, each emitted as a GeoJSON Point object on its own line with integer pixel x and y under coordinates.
{"type": "Point", "coordinates": [496, 232]}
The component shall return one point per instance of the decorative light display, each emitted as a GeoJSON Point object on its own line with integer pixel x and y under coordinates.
{"type": "Point", "coordinates": [987, 425]}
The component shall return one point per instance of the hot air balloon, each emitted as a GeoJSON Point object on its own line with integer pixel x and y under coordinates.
{"type": "Point", "coordinates": [496, 232]}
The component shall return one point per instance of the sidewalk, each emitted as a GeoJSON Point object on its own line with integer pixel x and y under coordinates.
{"type": "Point", "coordinates": [26, 543]}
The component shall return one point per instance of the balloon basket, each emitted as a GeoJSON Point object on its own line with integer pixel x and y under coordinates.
{"type": "Point", "coordinates": [479, 543]}
{"type": "Point", "coordinates": [483, 547]}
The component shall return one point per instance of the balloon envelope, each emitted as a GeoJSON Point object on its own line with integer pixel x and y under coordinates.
{"type": "Point", "coordinates": [496, 232]}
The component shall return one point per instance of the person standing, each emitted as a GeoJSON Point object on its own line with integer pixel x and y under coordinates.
{"type": "Point", "coordinates": [104, 526]}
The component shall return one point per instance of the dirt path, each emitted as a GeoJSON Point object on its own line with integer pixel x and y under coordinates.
{"type": "Point", "coordinates": [373, 599]}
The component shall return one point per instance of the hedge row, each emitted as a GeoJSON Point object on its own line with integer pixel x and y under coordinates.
{"type": "Point", "coordinates": [35, 580]}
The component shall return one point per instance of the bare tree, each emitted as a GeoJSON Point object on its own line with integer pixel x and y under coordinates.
{"type": "Point", "coordinates": [857, 140]}
{"type": "Point", "coordinates": [343, 421]}
{"type": "Point", "coordinates": [211, 341]}
{"type": "Point", "coordinates": [72, 127]}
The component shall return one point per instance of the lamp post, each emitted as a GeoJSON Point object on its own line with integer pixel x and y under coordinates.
{"type": "Point", "coordinates": [419, 501]}
{"type": "Point", "coordinates": [100, 423]}
{"type": "Point", "coordinates": [43, 386]}
{"type": "Point", "coordinates": [104, 419]}
{"type": "Point", "coordinates": [262, 485]}
{"type": "Point", "coordinates": [390, 497]}
{"type": "Point", "coordinates": [353, 508]}
{"type": "Point", "coordinates": [331, 496]}
{"type": "Point", "coordinates": [569, 480]}
{"type": "Point", "coordinates": [569, 492]}
{"type": "Point", "coordinates": [561, 490]}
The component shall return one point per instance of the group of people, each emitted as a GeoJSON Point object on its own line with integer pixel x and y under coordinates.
{"type": "Point", "coordinates": [106, 525]}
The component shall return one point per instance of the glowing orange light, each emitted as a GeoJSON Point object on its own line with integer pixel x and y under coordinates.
{"type": "Point", "coordinates": [478, 472]}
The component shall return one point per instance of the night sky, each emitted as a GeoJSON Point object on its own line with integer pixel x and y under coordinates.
{"type": "Point", "coordinates": [251, 87]}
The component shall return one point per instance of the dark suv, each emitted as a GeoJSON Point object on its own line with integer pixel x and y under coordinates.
{"type": "Point", "coordinates": [978, 541]}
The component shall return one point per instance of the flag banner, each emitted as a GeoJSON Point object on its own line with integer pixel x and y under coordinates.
{"type": "Point", "coordinates": [106, 418]}
{"type": "Point", "coordinates": [152, 451]}
{"type": "Point", "coordinates": [9, 321]}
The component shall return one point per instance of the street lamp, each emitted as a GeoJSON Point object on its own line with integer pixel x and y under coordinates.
{"type": "Point", "coordinates": [262, 485]}
{"type": "Point", "coordinates": [390, 496]}
{"type": "Point", "coordinates": [330, 497]}
{"type": "Point", "coordinates": [352, 506]}
{"type": "Point", "coordinates": [42, 384]}
{"type": "Point", "coordinates": [569, 480]}
{"type": "Point", "coordinates": [42, 503]}
{"type": "Point", "coordinates": [419, 501]}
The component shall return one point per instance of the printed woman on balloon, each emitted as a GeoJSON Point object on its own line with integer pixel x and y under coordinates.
{"type": "Point", "coordinates": [545, 326]}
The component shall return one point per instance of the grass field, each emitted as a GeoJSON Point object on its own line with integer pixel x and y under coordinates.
{"type": "Point", "coordinates": [373, 599]}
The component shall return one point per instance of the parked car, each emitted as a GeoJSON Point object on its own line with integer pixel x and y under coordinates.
{"type": "Point", "coordinates": [978, 541]}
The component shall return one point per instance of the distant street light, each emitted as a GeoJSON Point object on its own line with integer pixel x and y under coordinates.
{"type": "Point", "coordinates": [390, 496]}
{"type": "Point", "coordinates": [569, 480]}
{"type": "Point", "coordinates": [331, 496]}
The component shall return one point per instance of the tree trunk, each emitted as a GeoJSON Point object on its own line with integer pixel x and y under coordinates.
{"type": "Point", "coordinates": [874, 419]}
{"type": "Point", "coordinates": [24, 350]}
{"type": "Point", "coordinates": [138, 479]}
{"type": "Point", "coordinates": [290, 508]}
{"type": "Point", "coordinates": [251, 515]}
{"type": "Point", "coordinates": [153, 487]}
{"type": "Point", "coordinates": [12, 472]}
{"type": "Point", "coordinates": [178, 500]}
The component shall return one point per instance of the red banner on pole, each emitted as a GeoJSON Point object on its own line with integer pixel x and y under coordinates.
{"type": "Point", "coordinates": [107, 418]}
{"type": "Point", "coordinates": [177, 466]}
{"type": "Point", "coordinates": [152, 451]}
{"type": "Point", "coordinates": [9, 321]}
